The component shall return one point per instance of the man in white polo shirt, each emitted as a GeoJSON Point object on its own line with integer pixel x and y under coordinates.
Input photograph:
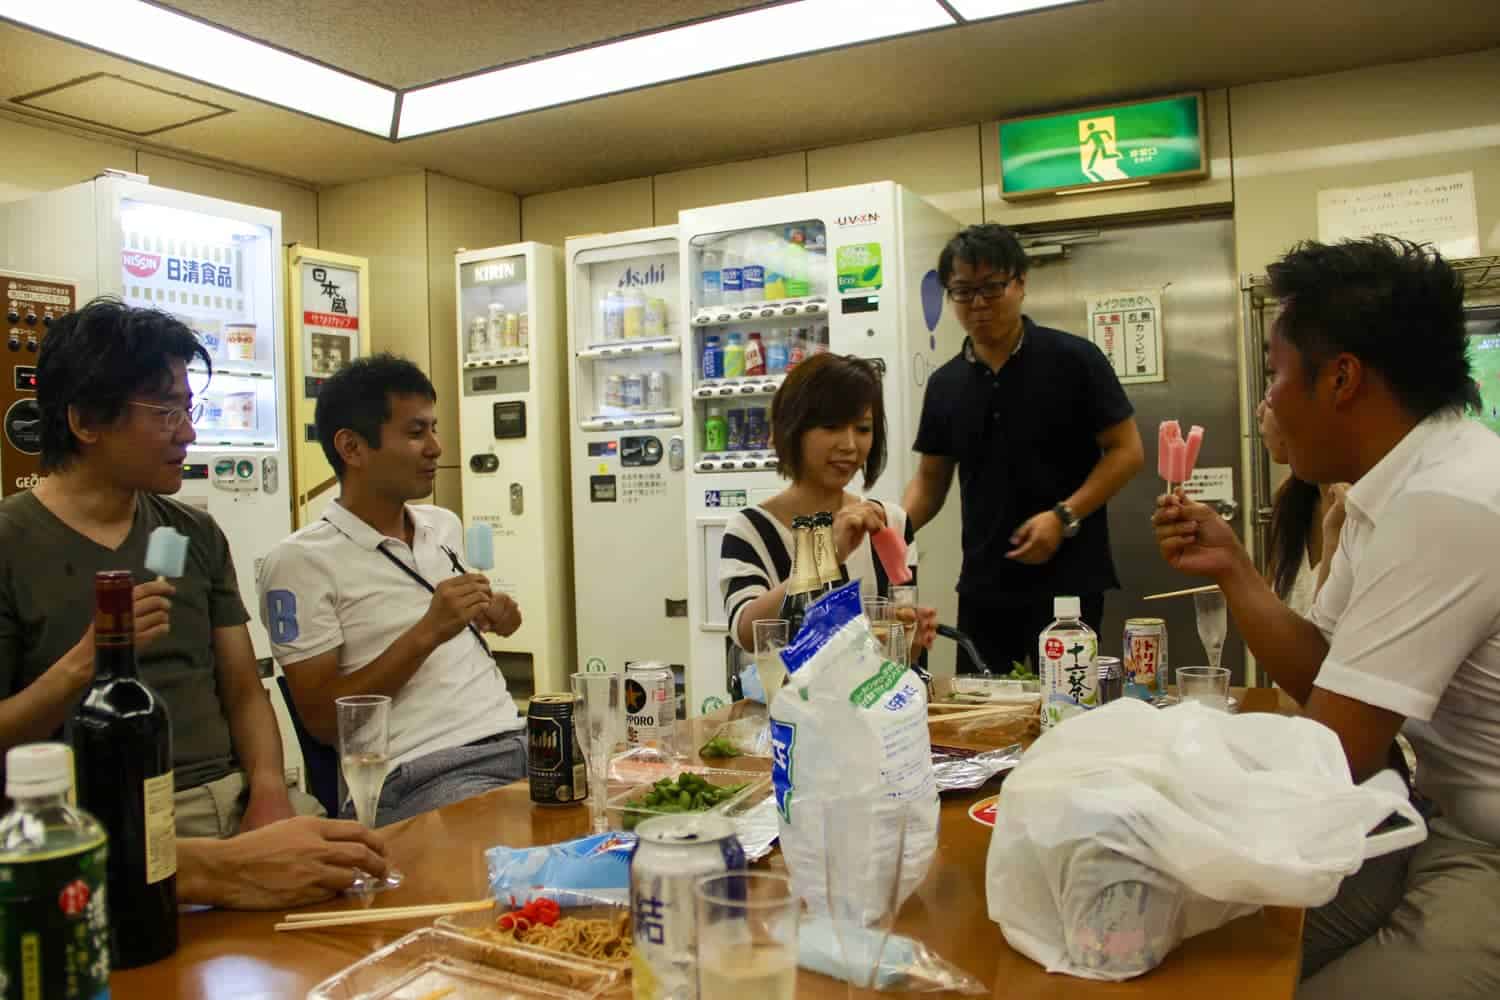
{"type": "Point", "coordinates": [1370, 378]}
{"type": "Point", "coordinates": [374, 599]}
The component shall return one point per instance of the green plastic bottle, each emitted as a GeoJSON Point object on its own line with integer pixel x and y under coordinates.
{"type": "Point", "coordinates": [54, 925]}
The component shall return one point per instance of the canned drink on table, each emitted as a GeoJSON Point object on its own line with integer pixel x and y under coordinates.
{"type": "Point", "coordinates": [671, 854]}
{"type": "Point", "coordinates": [633, 389]}
{"type": "Point", "coordinates": [650, 707]}
{"type": "Point", "coordinates": [656, 389]}
{"type": "Point", "coordinates": [555, 765]}
{"type": "Point", "coordinates": [1145, 658]}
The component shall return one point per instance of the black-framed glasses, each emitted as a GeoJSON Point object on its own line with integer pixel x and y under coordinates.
{"type": "Point", "coordinates": [990, 291]}
{"type": "Point", "coordinates": [172, 416]}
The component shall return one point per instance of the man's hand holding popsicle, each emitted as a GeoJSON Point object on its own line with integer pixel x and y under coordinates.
{"type": "Point", "coordinates": [166, 556]}
{"type": "Point", "coordinates": [503, 616]}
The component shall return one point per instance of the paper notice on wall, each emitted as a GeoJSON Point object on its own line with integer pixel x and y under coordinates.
{"type": "Point", "coordinates": [1436, 210]}
{"type": "Point", "coordinates": [1127, 327]}
{"type": "Point", "coordinates": [1214, 484]}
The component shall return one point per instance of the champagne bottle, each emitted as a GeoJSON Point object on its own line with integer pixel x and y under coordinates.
{"type": "Point", "coordinates": [122, 739]}
{"type": "Point", "coordinates": [804, 587]}
{"type": "Point", "coordinates": [830, 574]}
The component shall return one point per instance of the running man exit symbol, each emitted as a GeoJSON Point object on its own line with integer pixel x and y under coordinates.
{"type": "Point", "coordinates": [1098, 151]}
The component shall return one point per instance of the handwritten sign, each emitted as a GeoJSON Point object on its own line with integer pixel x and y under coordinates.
{"type": "Point", "coordinates": [1436, 210]}
{"type": "Point", "coordinates": [1126, 326]}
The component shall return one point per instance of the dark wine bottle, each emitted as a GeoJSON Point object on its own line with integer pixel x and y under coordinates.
{"type": "Point", "coordinates": [122, 741]}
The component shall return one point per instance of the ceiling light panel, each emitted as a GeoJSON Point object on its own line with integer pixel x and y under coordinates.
{"type": "Point", "coordinates": [710, 46]}
{"type": "Point", "coordinates": [187, 47]}
{"type": "Point", "coordinates": [978, 10]}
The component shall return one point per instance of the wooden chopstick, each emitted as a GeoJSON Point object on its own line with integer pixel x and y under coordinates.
{"type": "Point", "coordinates": [975, 713]}
{"type": "Point", "coordinates": [338, 918]}
{"type": "Point", "coordinates": [1182, 593]}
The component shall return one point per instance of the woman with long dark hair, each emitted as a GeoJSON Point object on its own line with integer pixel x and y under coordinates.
{"type": "Point", "coordinates": [1306, 519]}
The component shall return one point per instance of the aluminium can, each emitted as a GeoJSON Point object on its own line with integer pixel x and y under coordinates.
{"type": "Point", "coordinates": [555, 765]}
{"type": "Point", "coordinates": [650, 707]}
{"type": "Point", "coordinates": [1145, 658]}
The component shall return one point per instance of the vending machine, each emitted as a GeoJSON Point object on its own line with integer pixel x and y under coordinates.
{"type": "Point", "coordinates": [328, 326]}
{"type": "Point", "coordinates": [513, 445]}
{"type": "Point", "coordinates": [851, 270]}
{"type": "Point", "coordinates": [217, 266]}
{"type": "Point", "coordinates": [32, 303]}
{"type": "Point", "coordinates": [626, 465]}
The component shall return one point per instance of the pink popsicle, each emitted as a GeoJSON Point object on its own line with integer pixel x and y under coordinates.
{"type": "Point", "coordinates": [891, 548]}
{"type": "Point", "coordinates": [1169, 432]}
{"type": "Point", "coordinates": [1179, 462]}
{"type": "Point", "coordinates": [1194, 445]}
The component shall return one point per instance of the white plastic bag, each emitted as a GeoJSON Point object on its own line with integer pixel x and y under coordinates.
{"type": "Point", "coordinates": [848, 722]}
{"type": "Point", "coordinates": [1129, 829]}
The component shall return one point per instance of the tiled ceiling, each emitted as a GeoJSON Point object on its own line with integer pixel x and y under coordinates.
{"type": "Point", "coordinates": [1055, 58]}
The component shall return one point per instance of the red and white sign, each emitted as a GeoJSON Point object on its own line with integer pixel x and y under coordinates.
{"type": "Point", "coordinates": [329, 321]}
{"type": "Point", "coordinates": [74, 898]}
{"type": "Point", "coordinates": [1054, 649]}
{"type": "Point", "coordinates": [142, 265]}
{"type": "Point", "coordinates": [983, 811]}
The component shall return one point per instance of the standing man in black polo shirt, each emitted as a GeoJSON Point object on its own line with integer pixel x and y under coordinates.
{"type": "Point", "coordinates": [1041, 434]}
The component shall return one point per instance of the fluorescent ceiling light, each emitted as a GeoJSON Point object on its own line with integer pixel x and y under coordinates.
{"type": "Point", "coordinates": [178, 44]}
{"type": "Point", "coordinates": [711, 46]}
{"type": "Point", "coordinates": [978, 10]}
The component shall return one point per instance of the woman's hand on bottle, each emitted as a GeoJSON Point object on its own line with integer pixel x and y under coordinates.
{"type": "Point", "coordinates": [853, 523]}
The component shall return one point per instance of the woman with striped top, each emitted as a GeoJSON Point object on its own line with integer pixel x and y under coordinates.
{"type": "Point", "coordinates": [827, 425]}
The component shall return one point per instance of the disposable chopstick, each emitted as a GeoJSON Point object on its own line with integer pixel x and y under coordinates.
{"type": "Point", "coordinates": [1182, 593]}
{"type": "Point", "coordinates": [336, 918]}
{"type": "Point", "coordinates": [974, 713]}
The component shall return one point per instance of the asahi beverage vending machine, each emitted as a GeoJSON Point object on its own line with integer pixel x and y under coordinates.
{"type": "Point", "coordinates": [328, 326]}
{"type": "Point", "coordinates": [32, 303]}
{"type": "Point", "coordinates": [625, 337]}
{"type": "Point", "coordinates": [513, 441]}
{"type": "Point", "coordinates": [851, 270]}
{"type": "Point", "coordinates": [217, 266]}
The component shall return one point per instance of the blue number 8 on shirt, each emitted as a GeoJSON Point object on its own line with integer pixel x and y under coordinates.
{"type": "Point", "coordinates": [281, 616]}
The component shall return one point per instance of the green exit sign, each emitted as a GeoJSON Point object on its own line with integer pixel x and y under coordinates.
{"type": "Point", "coordinates": [1117, 145]}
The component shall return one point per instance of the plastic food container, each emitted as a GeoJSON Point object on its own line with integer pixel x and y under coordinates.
{"type": "Point", "coordinates": [608, 973]}
{"type": "Point", "coordinates": [433, 959]}
{"type": "Point", "coordinates": [625, 812]}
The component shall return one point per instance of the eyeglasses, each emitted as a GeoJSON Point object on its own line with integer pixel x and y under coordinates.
{"type": "Point", "coordinates": [172, 416]}
{"type": "Point", "coordinates": [990, 290]}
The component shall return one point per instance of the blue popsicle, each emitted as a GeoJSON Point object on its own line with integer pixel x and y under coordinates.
{"type": "Point", "coordinates": [166, 552]}
{"type": "Point", "coordinates": [479, 542]}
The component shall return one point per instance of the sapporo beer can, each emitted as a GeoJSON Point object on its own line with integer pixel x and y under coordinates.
{"type": "Point", "coordinates": [671, 854]}
{"type": "Point", "coordinates": [1145, 658]}
{"type": "Point", "coordinates": [555, 765]}
{"type": "Point", "coordinates": [650, 706]}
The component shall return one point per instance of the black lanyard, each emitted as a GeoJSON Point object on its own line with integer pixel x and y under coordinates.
{"type": "Point", "coordinates": [457, 566]}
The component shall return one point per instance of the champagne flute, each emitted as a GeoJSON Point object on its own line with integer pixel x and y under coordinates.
{"type": "Point", "coordinates": [771, 637]}
{"type": "Point", "coordinates": [1213, 623]}
{"type": "Point", "coordinates": [364, 758]}
{"type": "Point", "coordinates": [596, 721]}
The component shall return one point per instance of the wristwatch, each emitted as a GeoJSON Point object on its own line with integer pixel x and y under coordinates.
{"type": "Point", "coordinates": [1069, 520]}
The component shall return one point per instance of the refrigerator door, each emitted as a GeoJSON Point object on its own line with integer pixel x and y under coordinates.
{"type": "Point", "coordinates": [217, 266]}
{"type": "Point", "coordinates": [630, 574]}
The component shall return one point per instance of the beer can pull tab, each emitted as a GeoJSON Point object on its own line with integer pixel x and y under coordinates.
{"type": "Point", "coordinates": [166, 553]}
{"type": "Point", "coordinates": [479, 542]}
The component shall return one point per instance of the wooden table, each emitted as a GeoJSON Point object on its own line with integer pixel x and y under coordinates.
{"type": "Point", "coordinates": [228, 956]}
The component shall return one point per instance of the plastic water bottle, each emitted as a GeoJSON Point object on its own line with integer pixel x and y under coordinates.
{"type": "Point", "coordinates": [776, 267]}
{"type": "Point", "coordinates": [711, 290]}
{"type": "Point", "coordinates": [1067, 650]}
{"type": "Point", "coordinates": [713, 357]}
{"type": "Point", "coordinates": [732, 274]}
{"type": "Point", "coordinates": [776, 352]}
{"type": "Point", "coordinates": [753, 277]}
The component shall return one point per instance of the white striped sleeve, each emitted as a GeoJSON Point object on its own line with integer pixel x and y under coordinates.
{"type": "Point", "coordinates": [750, 559]}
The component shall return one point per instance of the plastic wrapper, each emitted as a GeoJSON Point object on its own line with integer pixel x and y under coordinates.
{"type": "Point", "coordinates": [955, 772]}
{"type": "Point", "coordinates": [584, 872]}
{"type": "Point", "coordinates": [758, 827]}
{"type": "Point", "coordinates": [905, 964]}
{"type": "Point", "coordinates": [749, 735]}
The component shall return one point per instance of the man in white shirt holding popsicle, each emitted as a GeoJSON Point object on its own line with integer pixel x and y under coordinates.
{"type": "Point", "coordinates": [381, 597]}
